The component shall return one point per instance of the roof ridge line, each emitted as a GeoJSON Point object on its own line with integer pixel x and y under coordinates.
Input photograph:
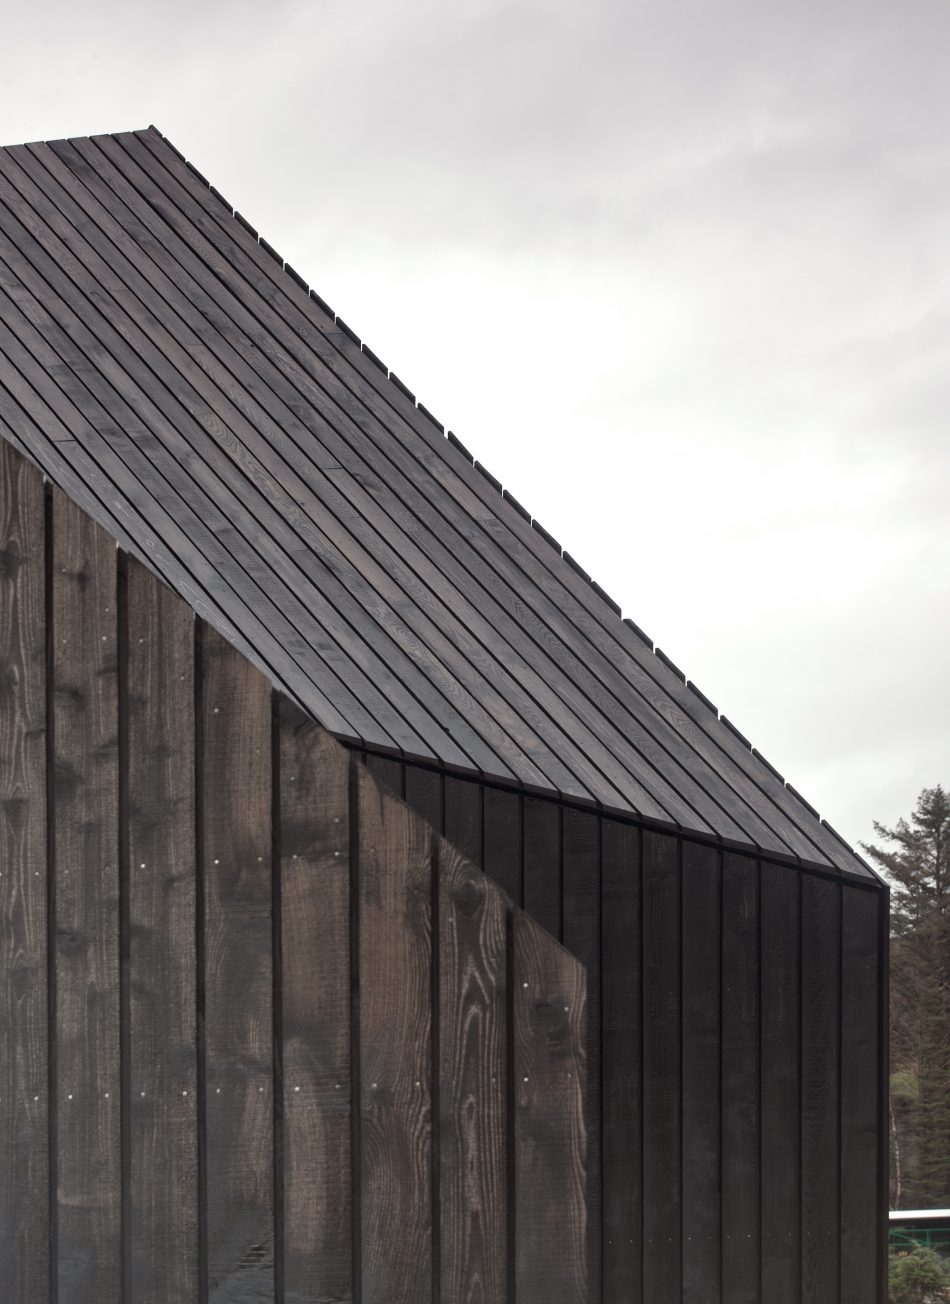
{"type": "Point", "coordinates": [52, 140]}
{"type": "Point", "coordinates": [503, 492]}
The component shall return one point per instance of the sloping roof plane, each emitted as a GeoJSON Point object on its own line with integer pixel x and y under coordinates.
{"type": "Point", "coordinates": [166, 369]}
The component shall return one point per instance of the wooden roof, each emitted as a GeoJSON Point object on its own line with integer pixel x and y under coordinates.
{"type": "Point", "coordinates": [170, 373]}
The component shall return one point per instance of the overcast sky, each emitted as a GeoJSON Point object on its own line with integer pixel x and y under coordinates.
{"type": "Point", "coordinates": [678, 273]}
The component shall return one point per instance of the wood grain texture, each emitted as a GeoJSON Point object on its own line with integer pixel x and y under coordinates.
{"type": "Point", "coordinates": [463, 817]}
{"type": "Point", "coordinates": [542, 572]}
{"type": "Point", "coordinates": [515, 721]}
{"type": "Point", "coordinates": [236, 844]}
{"type": "Point", "coordinates": [860, 1094]}
{"type": "Point", "coordinates": [662, 1104]}
{"type": "Point", "coordinates": [162, 888]}
{"type": "Point", "coordinates": [503, 840]}
{"type": "Point", "coordinates": [424, 794]}
{"type": "Point", "coordinates": [24, 1186]}
{"type": "Point", "coordinates": [703, 1143]}
{"type": "Point", "coordinates": [821, 937]}
{"type": "Point", "coordinates": [315, 1003]}
{"type": "Point", "coordinates": [385, 645]}
{"type": "Point", "coordinates": [740, 1080]}
{"type": "Point", "coordinates": [581, 928]}
{"type": "Point", "coordinates": [541, 821]}
{"type": "Point", "coordinates": [813, 1175]}
{"type": "Point", "coordinates": [86, 855]}
{"type": "Point", "coordinates": [103, 408]}
{"type": "Point", "coordinates": [350, 547]}
{"type": "Point", "coordinates": [473, 1194]}
{"type": "Point", "coordinates": [781, 988]}
{"type": "Point", "coordinates": [388, 771]}
{"type": "Point", "coordinates": [550, 1037]}
{"type": "Point", "coordinates": [620, 1051]}
{"type": "Point", "coordinates": [395, 867]}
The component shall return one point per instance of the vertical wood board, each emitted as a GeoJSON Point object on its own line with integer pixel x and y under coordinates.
{"type": "Point", "coordinates": [821, 994]}
{"type": "Point", "coordinates": [395, 1025]}
{"type": "Point", "coordinates": [424, 794]}
{"type": "Point", "coordinates": [542, 862]}
{"type": "Point", "coordinates": [86, 861]}
{"type": "Point", "coordinates": [703, 1142]}
{"type": "Point", "coordinates": [473, 1086]}
{"type": "Point", "coordinates": [162, 959]}
{"type": "Point", "coordinates": [550, 1142]}
{"type": "Point", "coordinates": [860, 1093]}
{"type": "Point", "coordinates": [503, 841]}
{"type": "Point", "coordinates": [463, 817]}
{"type": "Point", "coordinates": [236, 845]}
{"type": "Point", "coordinates": [388, 771]}
{"type": "Point", "coordinates": [781, 1156]}
{"type": "Point", "coordinates": [24, 1120]}
{"type": "Point", "coordinates": [662, 1104]}
{"type": "Point", "coordinates": [620, 1051]}
{"type": "Point", "coordinates": [741, 1192]}
{"type": "Point", "coordinates": [315, 1007]}
{"type": "Point", "coordinates": [582, 899]}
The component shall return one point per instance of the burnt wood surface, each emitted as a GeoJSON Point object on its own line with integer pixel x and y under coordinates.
{"type": "Point", "coordinates": [160, 1032]}
{"type": "Point", "coordinates": [259, 1017]}
{"type": "Point", "coordinates": [167, 372]}
{"type": "Point", "coordinates": [395, 1069]}
{"type": "Point", "coordinates": [314, 1033]}
{"type": "Point", "coordinates": [781, 1103]}
{"type": "Point", "coordinates": [237, 970]}
{"type": "Point", "coordinates": [85, 863]}
{"type": "Point", "coordinates": [473, 1081]}
{"type": "Point", "coordinates": [549, 1073]}
{"type": "Point", "coordinates": [704, 1122]}
{"type": "Point", "coordinates": [25, 1241]}
{"type": "Point", "coordinates": [661, 996]}
{"type": "Point", "coordinates": [719, 1027]}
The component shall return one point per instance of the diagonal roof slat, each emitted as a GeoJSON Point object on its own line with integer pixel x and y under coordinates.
{"type": "Point", "coordinates": [160, 363]}
{"type": "Point", "coordinates": [480, 505]}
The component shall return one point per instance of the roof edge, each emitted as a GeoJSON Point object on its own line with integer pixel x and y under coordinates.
{"type": "Point", "coordinates": [514, 504]}
{"type": "Point", "coordinates": [400, 395]}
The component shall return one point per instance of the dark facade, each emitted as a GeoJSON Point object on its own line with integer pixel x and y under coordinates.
{"type": "Point", "coordinates": [265, 1035]}
{"type": "Point", "coordinates": [737, 1048]}
{"type": "Point", "coordinates": [180, 384]}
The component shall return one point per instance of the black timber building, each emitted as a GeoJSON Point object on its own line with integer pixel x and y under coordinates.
{"type": "Point", "coordinates": [187, 398]}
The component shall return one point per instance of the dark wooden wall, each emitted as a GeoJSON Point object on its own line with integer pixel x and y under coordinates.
{"type": "Point", "coordinates": [266, 1036]}
{"type": "Point", "coordinates": [736, 1053]}
{"type": "Point", "coordinates": [221, 1077]}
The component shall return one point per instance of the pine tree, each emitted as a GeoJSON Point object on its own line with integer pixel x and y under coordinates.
{"type": "Point", "coordinates": [917, 863]}
{"type": "Point", "coordinates": [919, 1276]}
